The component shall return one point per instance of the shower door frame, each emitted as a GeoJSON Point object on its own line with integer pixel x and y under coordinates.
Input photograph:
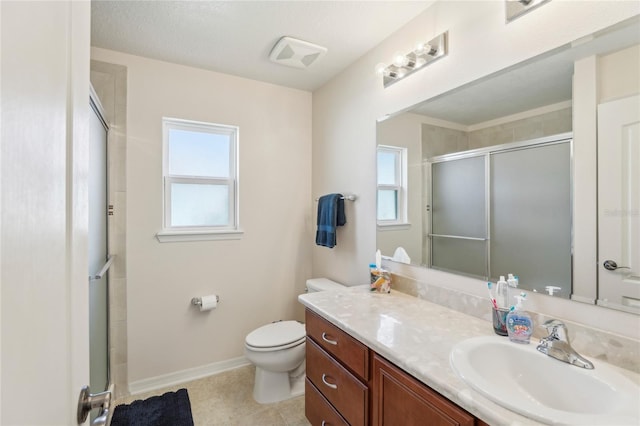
{"type": "Point", "coordinates": [487, 152]}
{"type": "Point", "coordinates": [103, 272]}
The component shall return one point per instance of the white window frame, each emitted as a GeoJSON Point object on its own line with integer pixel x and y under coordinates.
{"type": "Point", "coordinates": [200, 233]}
{"type": "Point", "coordinates": [400, 186]}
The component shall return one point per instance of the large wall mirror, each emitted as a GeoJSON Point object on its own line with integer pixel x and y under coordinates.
{"type": "Point", "coordinates": [479, 181]}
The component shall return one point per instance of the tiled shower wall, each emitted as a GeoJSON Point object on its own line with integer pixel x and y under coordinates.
{"type": "Point", "coordinates": [439, 140]}
{"type": "Point", "coordinates": [110, 84]}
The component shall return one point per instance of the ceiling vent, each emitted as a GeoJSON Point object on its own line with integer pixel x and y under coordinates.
{"type": "Point", "coordinates": [296, 53]}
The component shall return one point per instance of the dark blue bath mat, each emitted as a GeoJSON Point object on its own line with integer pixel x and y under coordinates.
{"type": "Point", "coordinates": [170, 409]}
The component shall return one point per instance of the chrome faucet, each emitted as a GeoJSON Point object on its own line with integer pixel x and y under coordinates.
{"type": "Point", "coordinates": [557, 345]}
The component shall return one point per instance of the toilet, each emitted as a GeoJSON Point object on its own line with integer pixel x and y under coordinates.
{"type": "Point", "coordinates": [278, 352]}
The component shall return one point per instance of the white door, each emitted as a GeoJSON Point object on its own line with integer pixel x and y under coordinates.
{"type": "Point", "coordinates": [43, 233]}
{"type": "Point", "coordinates": [619, 204]}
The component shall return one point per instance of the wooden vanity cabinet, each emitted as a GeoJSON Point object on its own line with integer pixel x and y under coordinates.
{"type": "Point", "coordinates": [346, 393]}
{"type": "Point", "coordinates": [337, 372]}
{"type": "Point", "coordinates": [318, 410]}
{"type": "Point", "coordinates": [399, 399]}
{"type": "Point", "coordinates": [351, 353]}
{"type": "Point", "coordinates": [349, 384]}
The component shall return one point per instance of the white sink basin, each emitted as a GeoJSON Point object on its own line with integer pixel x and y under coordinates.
{"type": "Point", "coordinates": [520, 378]}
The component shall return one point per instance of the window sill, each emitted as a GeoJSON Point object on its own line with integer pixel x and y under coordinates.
{"type": "Point", "coordinates": [197, 235]}
{"type": "Point", "coordinates": [394, 227]}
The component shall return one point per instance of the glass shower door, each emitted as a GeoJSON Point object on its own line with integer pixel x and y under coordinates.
{"type": "Point", "coordinates": [505, 210]}
{"type": "Point", "coordinates": [458, 219]}
{"type": "Point", "coordinates": [99, 260]}
{"type": "Point", "coordinates": [531, 216]}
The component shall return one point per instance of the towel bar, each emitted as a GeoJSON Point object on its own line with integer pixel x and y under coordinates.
{"type": "Point", "coordinates": [346, 197]}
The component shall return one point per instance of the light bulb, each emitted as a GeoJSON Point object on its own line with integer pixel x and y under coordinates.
{"type": "Point", "coordinates": [399, 59]}
{"type": "Point", "coordinates": [380, 68]}
{"type": "Point", "coordinates": [419, 49]}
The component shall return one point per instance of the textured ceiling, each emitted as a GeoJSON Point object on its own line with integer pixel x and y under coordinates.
{"type": "Point", "coordinates": [235, 37]}
{"type": "Point", "coordinates": [522, 88]}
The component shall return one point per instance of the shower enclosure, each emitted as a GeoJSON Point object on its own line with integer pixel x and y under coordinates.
{"type": "Point", "coordinates": [505, 209]}
{"type": "Point", "coordinates": [99, 259]}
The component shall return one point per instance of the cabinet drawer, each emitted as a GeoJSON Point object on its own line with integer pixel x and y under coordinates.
{"type": "Point", "coordinates": [353, 354]}
{"type": "Point", "coordinates": [318, 410]}
{"type": "Point", "coordinates": [341, 388]}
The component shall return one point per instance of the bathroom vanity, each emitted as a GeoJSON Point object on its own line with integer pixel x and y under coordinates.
{"type": "Point", "coordinates": [348, 383]}
{"type": "Point", "coordinates": [337, 374]}
{"type": "Point", "coordinates": [377, 359]}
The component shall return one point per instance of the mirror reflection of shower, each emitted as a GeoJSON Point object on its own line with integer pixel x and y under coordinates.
{"type": "Point", "coordinates": [528, 101]}
{"type": "Point", "coordinates": [504, 210]}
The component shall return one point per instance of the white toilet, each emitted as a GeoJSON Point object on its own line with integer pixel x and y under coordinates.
{"type": "Point", "coordinates": [277, 350]}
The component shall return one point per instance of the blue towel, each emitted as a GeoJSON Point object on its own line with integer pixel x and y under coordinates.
{"type": "Point", "coordinates": [330, 215]}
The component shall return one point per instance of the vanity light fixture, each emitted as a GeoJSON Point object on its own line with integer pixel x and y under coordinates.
{"type": "Point", "coordinates": [403, 65]}
{"type": "Point", "coordinates": [517, 8]}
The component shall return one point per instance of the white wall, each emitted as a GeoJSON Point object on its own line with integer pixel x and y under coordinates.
{"type": "Point", "coordinates": [405, 131]}
{"type": "Point", "coordinates": [259, 277]}
{"type": "Point", "coordinates": [345, 112]}
{"type": "Point", "coordinates": [43, 263]}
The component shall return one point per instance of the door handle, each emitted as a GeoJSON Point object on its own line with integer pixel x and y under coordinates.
{"type": "Point", "coordinates": [98, 275]}
{"type": "Point", "coordinates": [611, 265]}
{"type": "Point", "coordinates": [87, 401]}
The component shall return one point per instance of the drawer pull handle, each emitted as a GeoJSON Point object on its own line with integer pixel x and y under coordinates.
{"type": "Point", "coordinates": [332, 342]}
{"type": "Point", "coordinates": [324, 423]}
{"type": "Point", "coordinates": [331, 385]}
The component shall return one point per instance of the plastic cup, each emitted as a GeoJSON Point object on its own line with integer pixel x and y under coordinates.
{"type": "Point", "coordinates": [500, 321]}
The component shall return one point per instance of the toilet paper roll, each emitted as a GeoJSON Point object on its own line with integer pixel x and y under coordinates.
{"type": "Point", "coordinates": [209, 302]}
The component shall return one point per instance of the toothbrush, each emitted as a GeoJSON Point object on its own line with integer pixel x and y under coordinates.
{"type": "Point", "coordinates": [491, 298]}
{"type": "Point", "coordinates": [523, 296]}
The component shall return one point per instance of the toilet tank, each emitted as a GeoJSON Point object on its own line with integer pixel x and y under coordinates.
{"type": "Point", "coordinates": [322, 284]}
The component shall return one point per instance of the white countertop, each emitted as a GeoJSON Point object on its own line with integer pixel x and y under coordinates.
{"type": "Point", "coordinates": [417, 336]}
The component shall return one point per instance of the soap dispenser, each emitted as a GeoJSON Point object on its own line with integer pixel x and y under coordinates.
{"type": "Point", "coordinates": [519, 323]}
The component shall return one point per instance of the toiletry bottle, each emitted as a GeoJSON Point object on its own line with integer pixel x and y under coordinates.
{"type": "Point", "coordinates": [501, 293]}
{"type": "Point", "coordinates": [372, 273]}
{"type": "Point", "coordinates": [512, 290]}
{"type": "Point", "coordinates": [380, 278]}
{"type": "Point", "coordinates": [519, 323]}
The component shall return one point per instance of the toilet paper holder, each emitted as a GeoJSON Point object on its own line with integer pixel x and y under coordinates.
{"type": "Point", "coordinates": [197, 301]}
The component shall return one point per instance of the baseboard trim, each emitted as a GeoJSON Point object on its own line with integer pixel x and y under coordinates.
{"type": "Point", "coordinates": [153, 383]}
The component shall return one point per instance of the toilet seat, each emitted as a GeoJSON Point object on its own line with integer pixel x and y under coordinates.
{"type": "Point", "coordinates": [276, 336]}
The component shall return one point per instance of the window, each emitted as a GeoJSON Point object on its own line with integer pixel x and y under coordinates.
{"type": "Point", "coordinates": [200, 181]}
{"type": "Point", "coordinates": [392, 178]}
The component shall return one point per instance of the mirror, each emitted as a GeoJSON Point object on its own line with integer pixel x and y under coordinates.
{"type": "Point", "coordinates": [528, 105]}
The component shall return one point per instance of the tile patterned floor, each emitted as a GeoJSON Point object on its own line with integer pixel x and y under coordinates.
{"type": "Point", "coordinates": [226, 399]}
